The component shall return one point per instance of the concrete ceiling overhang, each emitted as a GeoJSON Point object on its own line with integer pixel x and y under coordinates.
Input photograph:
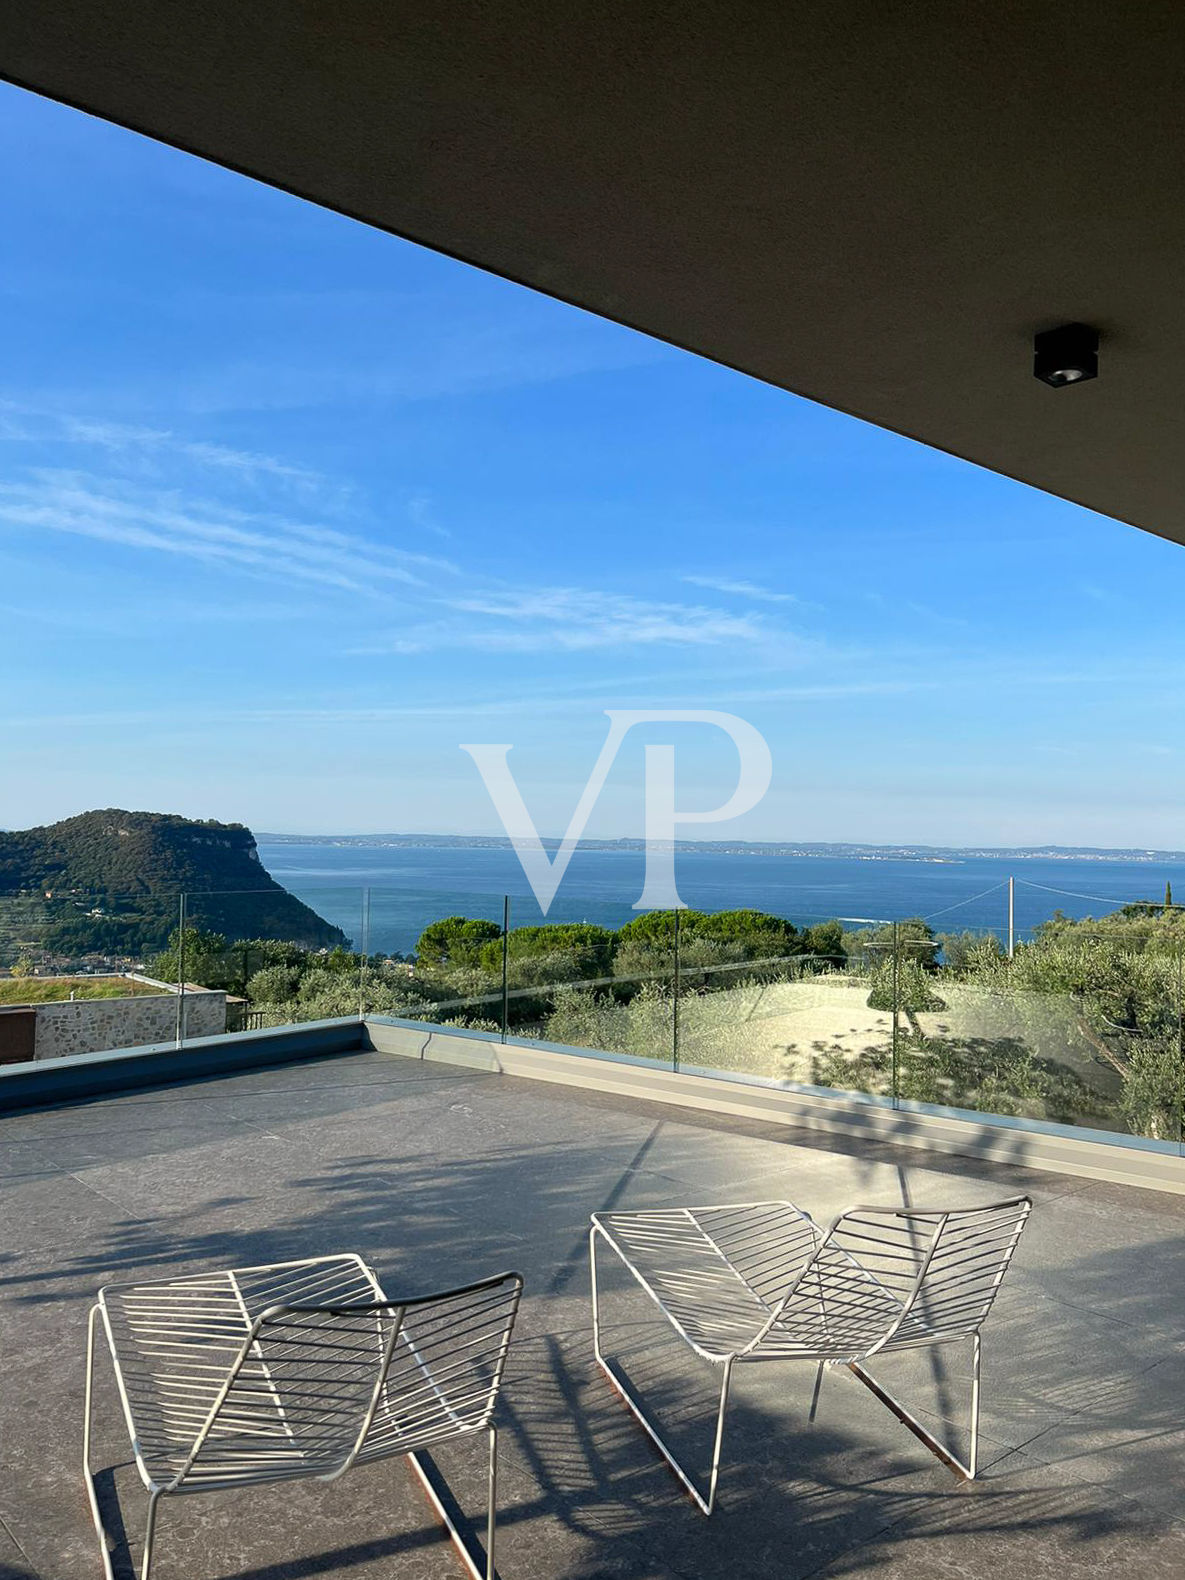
{"type": "Point", "coordinates": [872, 204]}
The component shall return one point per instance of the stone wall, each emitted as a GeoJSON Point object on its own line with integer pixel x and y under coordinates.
{"type": "Point", "coordinates": [95, 1025]}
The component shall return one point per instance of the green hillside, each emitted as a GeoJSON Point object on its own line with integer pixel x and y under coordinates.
{"type": "Point", "coordinates": [108, 883]}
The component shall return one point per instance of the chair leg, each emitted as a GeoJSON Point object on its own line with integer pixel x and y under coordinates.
{"type": "Point", "coordinates": [724, 1382]}
{"type": "Point", "coordinates": [433, 1483]}
{"type": "Point", "coordinates": [939, 1449]}
{"type": "Point", "coordinates": [973, 1462]}
{"type": "Point", "coordinates": [91, 1492]}
{"type": "Point", "coordinates": [149, 1535]}
{"type": "Point", "coordinates": [705, 1505]}
{"type": "Point", "coordinates": [491, 1507]}
{"type": "Point", "coordinates": [819, 1369]}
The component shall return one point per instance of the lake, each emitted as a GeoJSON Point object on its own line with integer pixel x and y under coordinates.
{"type": "Point", "coordinates": [412, 886]}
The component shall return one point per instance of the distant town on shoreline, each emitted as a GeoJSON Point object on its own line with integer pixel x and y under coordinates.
{"type": "Point", "coordinates": [930, 853]}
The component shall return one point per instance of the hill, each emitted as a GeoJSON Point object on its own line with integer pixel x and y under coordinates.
{"type": "Point", "coordinates": [108, 883]}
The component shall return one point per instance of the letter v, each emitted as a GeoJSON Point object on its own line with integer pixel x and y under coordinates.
{"type": "Point", "coordinates": [543, 875]}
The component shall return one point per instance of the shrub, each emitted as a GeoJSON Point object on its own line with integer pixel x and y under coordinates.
{"type": "Point", "coordinates": [273, 984]}
{"type": "Point", "coordinates": [914, 989]}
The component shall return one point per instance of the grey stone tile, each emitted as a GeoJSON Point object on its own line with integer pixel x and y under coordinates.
{"type": "Point", "coordinates": [91, 1154]}
{"type": "Point", "coordinates": [1125, 1437]}
{"type": "Point", "coordinates": [1114, 1260]}
{"type": "Point", "coordinates": [43, 1211]}
{"type": "Point", "coordinates": [438, 1176]}
{"type": "Point", "coordinates": [219, 1166]}
{"type": "Point", "coordinates": [42, 1321]}
{"type": "Point", "coordinates": [792, 1494]}
{"type": "Point", "coordinates": [13, 1563]}
{"type": "Point", "coordinates": [23, 1157]}
{"type": "Point", "coordinates": [1040, 1362]}
{"type": "Point", "coordinates": [274, 1105]}
{"type": "Point", "coordinates": [1020, 1519]}
{"type": "Point", "coordinates": [167, 1107]}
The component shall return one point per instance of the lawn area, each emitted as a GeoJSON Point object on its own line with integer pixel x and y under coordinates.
{"type": "Point", "coordinates": [52, 990]}
{"type": "Point", "coordinates": [1024, 1053]}
{"type": "Point", "coordinates": [1021, 1053]}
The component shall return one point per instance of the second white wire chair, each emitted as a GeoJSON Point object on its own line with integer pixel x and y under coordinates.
{"type": "Point", "coordinates": [761, 1282]}
{"type": "Point", "coordinates": [245, 1376]}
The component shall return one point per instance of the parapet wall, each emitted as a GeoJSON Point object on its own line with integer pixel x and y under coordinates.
{"type": "Point", "coordinates": [96, 1025]}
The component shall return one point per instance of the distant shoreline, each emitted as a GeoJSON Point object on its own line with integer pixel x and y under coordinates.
{"type": "Point", "coordinates": [930, 854]}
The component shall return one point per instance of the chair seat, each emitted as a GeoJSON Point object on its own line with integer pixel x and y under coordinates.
{"type": "Point", "coordinates": [759, 1281]}
{"type": "Point", "coordinates": [717, 1273]}
{"type": "Point", "coordinates": [174, 1343]}
{"type": "Point", "coordinates": [762, 1282]}
{"type": "Point", "coordinates": [839, 1311]}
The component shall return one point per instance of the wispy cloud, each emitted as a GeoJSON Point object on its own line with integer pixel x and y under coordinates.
{"type": "Point", "coordinates": [942, 618]}
{"type": "Point", "coordinates": [439, 605]}
{"type": "Point", "coordinates": [213, 534]}
{"type": "Point", "coordinates": [1105, 596]}
{"type": "Point", "coordinates": [39, 426]}
{"type": "Point", "coordinates": [740, 588]}
{"type": "Point", "coordinates": [246, 464]}
{"type": "Point", "coordinates": [336, 714]}
{"type": "Point", "coordinates": [420, 514]}
{"type": "Point", "coordinates": [235, 511]}
{"type": "Point", "coordinates": [571, 619]}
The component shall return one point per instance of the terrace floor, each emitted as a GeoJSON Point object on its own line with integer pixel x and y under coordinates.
{"type": "Point", "coordinates": [438, 1175]}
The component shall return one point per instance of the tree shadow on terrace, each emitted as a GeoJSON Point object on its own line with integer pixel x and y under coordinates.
{"type": "Point", "coordinates": [583, 1494]}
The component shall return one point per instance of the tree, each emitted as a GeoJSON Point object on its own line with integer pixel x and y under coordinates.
{"type": "Point", "coordinates": [756, 934]}
{"type": "Point", "coordinates": [455, 940]}
{"type": "Point", "coordinates": [589, 948]}
{"type": "Point", "coordinates": [273, 985]}
{"type": "Point", "coordinates": [826, 940]}
{"type": "Point", "coordinates": [969, 952]}
{"type": "Point", "coordinates": [202, 954]}
{"type": "Point", "coordinates": [913, 938]}
{"type": "Point", "coordinates": [1120, 977]}
{"type": "Point", "coordinates": [587, 1018]}
{"type": "Point", "coordinates": [658, 927]}
{"type": "Point", "coordinates": [911, 983]}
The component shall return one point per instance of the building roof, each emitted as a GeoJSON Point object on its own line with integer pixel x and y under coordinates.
{"type": "Point", "coordinates": [437, 1175]}
{"type": "Point", "coordinates": [875, 206]}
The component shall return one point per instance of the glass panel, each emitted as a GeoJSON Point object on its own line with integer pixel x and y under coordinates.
{"type": "Point", "coordinates": [25, 924]}
{"type": "Point", "coordinates": [586, 983]}
{"type": "Point", "coordinates": [435, 956]}
{"type": "Point", "coordinates": [74, 977]}
{"type": "Point", "coordinates": [787, 1001]}
{"type": "Point", "coordinates": [1082, 1026]}
{"type": "Point", "coordinates": [274, 959]}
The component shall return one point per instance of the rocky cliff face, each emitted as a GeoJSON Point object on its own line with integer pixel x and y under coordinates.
{"type": "Point", "coordinates": [109, 881]}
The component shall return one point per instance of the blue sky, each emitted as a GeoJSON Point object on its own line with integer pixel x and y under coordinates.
{"type": "Point", "coordinates": [290, 509]}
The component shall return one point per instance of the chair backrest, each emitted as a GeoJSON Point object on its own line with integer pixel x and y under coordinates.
{"type": "Point", "coordinates": [892, 1277]}
{"type": "Point", "coordinates": [317, 1388]}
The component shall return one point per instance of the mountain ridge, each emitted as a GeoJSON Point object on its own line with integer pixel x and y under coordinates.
{"type": "Point", "coordinates": [110, 881]}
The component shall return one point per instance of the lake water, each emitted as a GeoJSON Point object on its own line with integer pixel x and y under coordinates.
{"type": "Point", "coordinates": [410, 887]}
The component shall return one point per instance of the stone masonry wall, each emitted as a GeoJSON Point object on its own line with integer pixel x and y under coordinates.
{"type": "Point", "coordinates": [97, 1024]}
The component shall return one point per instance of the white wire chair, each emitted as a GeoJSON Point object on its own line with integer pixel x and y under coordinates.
{"type": "Point", "coordinates": [240, 1377]}
{"type": "Point", "coordinates": [760, 1282]}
